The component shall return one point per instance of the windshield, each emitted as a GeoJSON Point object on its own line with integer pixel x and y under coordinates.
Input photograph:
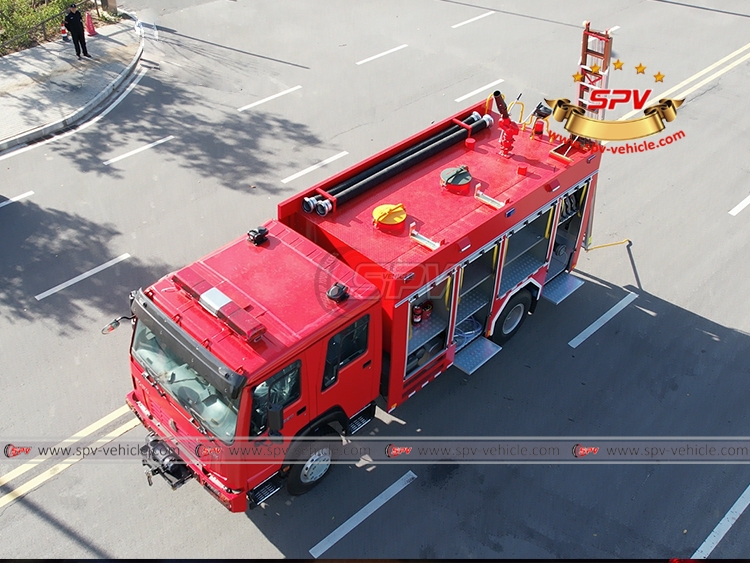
{"type": "Point", "coordinates": [216, 412]}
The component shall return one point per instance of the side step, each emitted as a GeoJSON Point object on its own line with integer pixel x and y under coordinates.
{"type": "Point", "coordinates": [475, 355]}
{"type": "Point", "coordinates": [560, 287]}
{"type": "Point", "coordinates": [360, 419]}
{"type": "Point", "coordinates": [264, 491]}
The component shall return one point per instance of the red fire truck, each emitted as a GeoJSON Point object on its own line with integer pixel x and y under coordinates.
{"type": "Point", "coordinates": [366, 287]}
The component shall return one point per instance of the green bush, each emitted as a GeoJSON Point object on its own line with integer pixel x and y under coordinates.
{"type": "Point", "coordinates": [23, 17]}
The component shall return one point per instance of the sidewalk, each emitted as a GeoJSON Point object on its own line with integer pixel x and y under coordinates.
{"type": "Point", "coordinates": [46, 88]}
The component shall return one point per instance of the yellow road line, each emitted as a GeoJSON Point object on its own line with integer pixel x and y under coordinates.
{"type": "Point", "coordinates": [54, 470]}
{"type": "Point", "coordinates": [694, 77]}
{"type": "Point", "coordinates": [20, 470]}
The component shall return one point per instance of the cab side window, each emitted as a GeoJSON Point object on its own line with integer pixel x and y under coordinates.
{"type": "Point", "coordinates": [283, 388]}
{"type": "Point", "coordinates": [344, 348]}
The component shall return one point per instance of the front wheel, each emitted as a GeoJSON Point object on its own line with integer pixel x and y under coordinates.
{"type": "Point", "coordinates": [512, 317]}
{"type": "Point", "coordinates": [306, 475]}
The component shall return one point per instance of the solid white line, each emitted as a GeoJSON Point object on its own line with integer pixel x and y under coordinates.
{"type": "Point", "coordinates": [314, 167]}
{"type": "Point", "coordinates": [470, 94]}
{"type": "Point", "coordinates": [83, 126]}
{"type": "Point", "coordinates": [17, 198]}
{"type": "Point", "coordinates": [740, 206]}
{"type": "Point", "coordinates": [269, 98]}
{"type": "Point", "coordinates": [360, 516]}
{"type": "Point", "coordinates": [82, 276]}
{"type": "Point", "coordinates": [55, 469]}
{"type": "Point", "coordinates": [78, 436]}
{"type": "Point", "coordinates": [382, 54]}
{"type": "Point", "coordinates": [723, 527]}
{"type": "Point", "coordinates": [601, 321]}
{"type": "Point", "coordinates": [136, 151]}
{"type": "Point", "coordinates": [472, 20]}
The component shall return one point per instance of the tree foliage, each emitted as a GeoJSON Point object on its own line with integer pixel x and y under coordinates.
{"type": "Point", "coordinates": [30, 19]}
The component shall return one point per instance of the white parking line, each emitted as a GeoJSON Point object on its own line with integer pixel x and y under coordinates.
{"type": "Point", "coordinates": [601, 321]}
{"type": "Point", "coordinates": [136, 151]}
{"type": "Point", "coordinates": [82, 276]}
{"type": "Point", "coordinates": [740, 206]}
{"type": "Point", "coordinates": [382, 54]}
{"type": "Point", "coordinates": [15, 199]}
{"type": "Point", "coordinates": [269, 98]}
{"type": "Point", "coordinates": [77, 437]}
{"type": "Point", "coordinates": [472, 20]}
{"type": "Point", "coordinates": [360, 516]}
{"type": "Point", "coordinates": [55, 469]}
{"type": "Point", "coordinates": [723, 526]}
{"type": "Point", "coordinates": [485, 87]}
{"type": "Point", "coordinates": [314, 167]}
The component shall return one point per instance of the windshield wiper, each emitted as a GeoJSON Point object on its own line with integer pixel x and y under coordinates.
{"type": "Point", "coordinates": [198, 422]}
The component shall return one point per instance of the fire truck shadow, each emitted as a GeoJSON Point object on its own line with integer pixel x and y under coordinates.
{"type": "Point", "coordinates": [45, 247]}
{"type": "Point", "coordinates": [237, 151]}
{"type": "Point", "coordinates": [655, 369]}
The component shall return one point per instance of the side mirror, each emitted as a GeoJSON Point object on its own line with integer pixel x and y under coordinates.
{"type": "Point", "coordinates": [111, 326]}
{"type": "Point", "coordinates": [275, 420]}
{"type": "Point", "coordinates": [114, 324]}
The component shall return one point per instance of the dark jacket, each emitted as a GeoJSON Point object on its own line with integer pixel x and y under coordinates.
{"type": "Point", "coordinates": [74, 23]}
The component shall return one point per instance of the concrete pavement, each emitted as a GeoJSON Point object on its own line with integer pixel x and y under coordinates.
{"type": "Point", "coordinates": [45, 89]}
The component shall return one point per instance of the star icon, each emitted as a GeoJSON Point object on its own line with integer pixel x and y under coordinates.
{"type": "Point", "coordinates": [578, 77]}
{"type": "Point", "coordinates": [659, 77]}
{"type": "Point", "coordinates": [595, 69]}
{"type": "Point", "coordinates": [640, 69]}
{"type": "Point", "coordinates": [618, 64]}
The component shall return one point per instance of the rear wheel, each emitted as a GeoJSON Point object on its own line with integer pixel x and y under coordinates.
{"type": "Point", "coordinates": [512, 317]}
{"type": "Point", "coordinates": [305, 475]}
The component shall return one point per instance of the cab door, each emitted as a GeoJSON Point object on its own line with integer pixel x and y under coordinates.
{"type": "Point", "coordinates": [348, 377]}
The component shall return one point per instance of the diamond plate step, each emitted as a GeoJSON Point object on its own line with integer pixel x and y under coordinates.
{"type": "Point", "coordinates": [475, 355]}
{"type": "Point", "coordinates": [561, 287]}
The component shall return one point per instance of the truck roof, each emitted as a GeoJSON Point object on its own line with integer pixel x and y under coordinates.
{"type": "Point", "coordinates": [280, 285]}
{"type": "Point", "coordinates": [439, 214]}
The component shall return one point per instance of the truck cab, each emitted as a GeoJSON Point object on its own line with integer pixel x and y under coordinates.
{"type": "Point", "coordinates": [264, 341]}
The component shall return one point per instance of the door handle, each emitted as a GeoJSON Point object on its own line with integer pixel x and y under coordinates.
{"type": "Point", "coordinates": [303, 409]}
{"type": "Point", "coordinates": [366, 364]}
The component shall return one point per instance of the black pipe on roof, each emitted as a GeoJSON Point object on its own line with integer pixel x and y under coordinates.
{"type": "Point", "coordinates": [310, 203]}
{"type": "Point", "coordinates": [323, 206]}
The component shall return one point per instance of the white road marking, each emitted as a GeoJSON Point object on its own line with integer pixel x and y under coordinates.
{"type": "Point", "coordinates": [723, 527]}
{"type": "Point", "coordinates": [601, 321]}
{"type": "Point", "coordinates": [485, 87]}
{"type": "Point", "coordinates": [314, 167]}
{"type": "Point", "coordinates": [55, 469]}
{"type": "Point", "coordinates": [382, 54]}
{"type": "Point", "coordinates": [83, 126]}
{"type": "Point", "coordinates": [269, 98]}
{"type": "Point", "coordinates": [472, 19]}
{"type": "Point", "coordinates": [77, 437]}
{"type": "Point", "coordinates": [15, 199]}
{"type": "Point", "coordinates": [740, 206]}
{"type": "Point", "coordinates": [136, 151]}
{"type": "Point", "coordinates": [360, 516]}
{"type": "Point", "coordinates": [82, 276]}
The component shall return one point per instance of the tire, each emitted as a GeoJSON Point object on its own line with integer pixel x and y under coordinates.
{"type": "Point", "coordinates": [510, 320]}
{"type": "Point", "coordinates": [303, 477]}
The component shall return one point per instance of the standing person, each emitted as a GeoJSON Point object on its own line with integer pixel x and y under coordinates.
{"type": "Point", "coordinates": [74, 23]}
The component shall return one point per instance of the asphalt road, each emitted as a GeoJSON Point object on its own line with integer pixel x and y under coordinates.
{"type": "Point", "coordinates": [676, 362]}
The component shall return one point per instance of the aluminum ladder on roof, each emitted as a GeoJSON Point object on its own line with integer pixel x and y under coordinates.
{"type": "Point", "coordinates": [596, 51]}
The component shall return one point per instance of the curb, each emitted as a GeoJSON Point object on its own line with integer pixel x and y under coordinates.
{"type": "Point", "coordinates": [78, 115]}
